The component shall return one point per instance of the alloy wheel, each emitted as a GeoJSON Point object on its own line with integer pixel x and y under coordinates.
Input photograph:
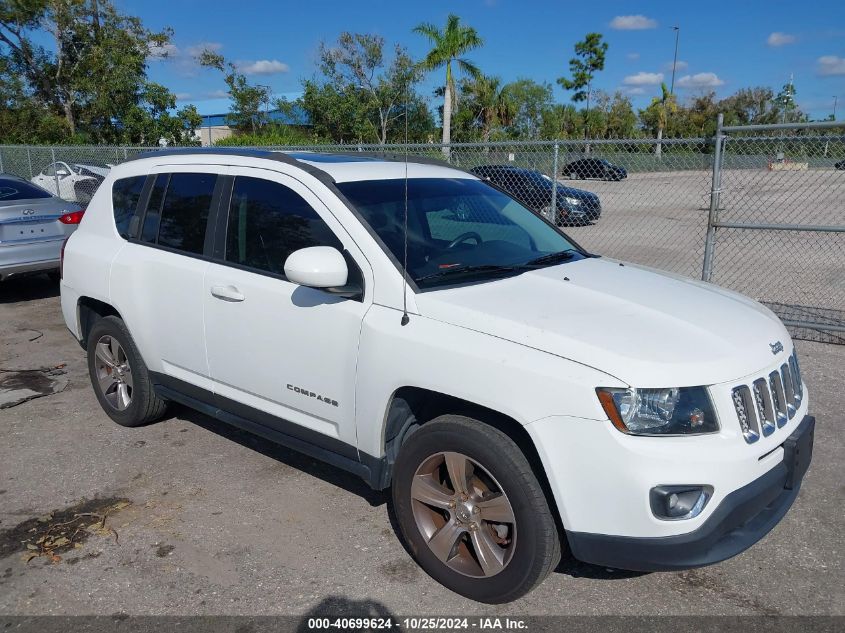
{"type": "Point", "coordinates": [463, 514]}
{"type": "Point", "coordinates": [114, 375]}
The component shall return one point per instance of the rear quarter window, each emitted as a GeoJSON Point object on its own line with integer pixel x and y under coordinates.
{"type": "Point", "coordinates": [125, 195]}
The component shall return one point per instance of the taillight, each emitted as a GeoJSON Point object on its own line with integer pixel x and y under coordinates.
{"type": "Point", "coordinates": [74, 217]}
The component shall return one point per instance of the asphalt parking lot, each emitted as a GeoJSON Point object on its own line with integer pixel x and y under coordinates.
{"type": "Point", "coordinates": [190, 517]}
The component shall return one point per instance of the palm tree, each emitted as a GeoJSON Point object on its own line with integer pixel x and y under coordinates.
{"type": "Point", "coordinates": [448, 46]}
{"type": "Point", "coordinates": [658, 115]}
{"type": "Point", "coordinates": [492, 101]}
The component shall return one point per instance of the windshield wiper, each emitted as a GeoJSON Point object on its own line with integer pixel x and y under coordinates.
{"type": "Point", "coordinates": [481, 268]}
{"type": "Point", "coordinates": [550, 258]}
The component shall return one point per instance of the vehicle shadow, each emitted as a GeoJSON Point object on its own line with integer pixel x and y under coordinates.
{"type": "Point", "coordinates": [569, 566]}
{"type": "Point", "coordinates": [337, 477]}
{"type": "Point", "coordinates": [289, 457]}
{"type": "Point", "coordinates": [339, 606]}
{"type": "Point", "coordinates": [28, 288]}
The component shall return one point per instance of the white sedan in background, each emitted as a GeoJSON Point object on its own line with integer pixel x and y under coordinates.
{"type": "Point", "coordinates": [71, 181]}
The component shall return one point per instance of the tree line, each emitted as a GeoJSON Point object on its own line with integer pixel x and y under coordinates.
{"type": "Point", "coordinates": [91, 86]}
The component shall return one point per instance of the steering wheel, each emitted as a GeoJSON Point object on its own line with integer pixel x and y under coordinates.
{"type": "Point", "coordinates": [463, 237]}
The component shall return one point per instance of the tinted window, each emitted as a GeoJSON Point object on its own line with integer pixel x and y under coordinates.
{"type": "Point", "coordinates": [153, 214]}
{"type": "Point", "coordinates": [268, 221]}
{"type": "Point", "coordinates": [11, 189]}
{"type": "Point", "coordinates": [124, 196]}
{"type": "Point", "coordinates": [184, 214]}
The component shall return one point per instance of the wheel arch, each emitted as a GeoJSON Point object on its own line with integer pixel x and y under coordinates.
{"type": "Point", "coordinates": [425, 405]}
{"type": "Point", "coordinates": [89, 311]}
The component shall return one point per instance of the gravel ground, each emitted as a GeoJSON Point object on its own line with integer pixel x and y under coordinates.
{"type": "Point", "coordinates": [203, 519]}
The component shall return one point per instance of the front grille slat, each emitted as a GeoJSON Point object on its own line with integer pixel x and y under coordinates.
{"type": "Point", "coordinates": [788, 390]}
{"type": "Point", "coordinates": [746, 411]}
{"type": "Point", "coordinates": [770, 401]}
{"type": "Point", "coordinates": [765, 410]}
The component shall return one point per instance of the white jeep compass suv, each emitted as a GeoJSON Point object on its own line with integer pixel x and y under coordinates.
{"type": "Point", "coordinates": [518, 394]}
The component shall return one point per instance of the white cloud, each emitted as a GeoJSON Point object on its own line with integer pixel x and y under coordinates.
{"type": "Point", "coordinates": [634, 91]}
{"type": "Point", "coordinates": [197, 49]}
{"type": "Point", "coordinates": [216, 94]}
{"type": "Point", "coordinates": [183, 59]}
{"type": "Point", "coordinates": [830, 65]}
{"type": "Point", "coordinates": [183, 96]}
{"type": "Point", "coordinates": [263, 67]}
{"type": "Point", "coordinates": [633, 56]}
{"type": "Point", "coordinates": [780, 39]}
{"type": "Point", "coordinates": [159, 52]}
{"type": "Point", "coordinates": [632, 23]}
{"type": "Point", "coordinates": [643, 79]}
{"type": "Point", "coordinates": [679, 66]}
{"type": "Point", "coordinates": [700, 80]}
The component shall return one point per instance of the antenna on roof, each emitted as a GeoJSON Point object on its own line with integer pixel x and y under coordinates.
{"type": "Point", "coordinates": [405, 317]}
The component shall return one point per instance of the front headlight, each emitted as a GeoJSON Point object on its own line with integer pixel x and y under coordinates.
{"type": "Point", "coordinates": [573, 201]}
{"type": "Point", "coordinates": [670, 411]}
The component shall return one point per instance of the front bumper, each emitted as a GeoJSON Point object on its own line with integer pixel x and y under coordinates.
{"type": "Point", "coordinates": [741, 519]}
{"type": "Point", "coordinates": [579, 214]}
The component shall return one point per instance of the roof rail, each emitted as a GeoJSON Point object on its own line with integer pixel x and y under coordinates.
{"type": "Point", "coordinates": [286, 158]}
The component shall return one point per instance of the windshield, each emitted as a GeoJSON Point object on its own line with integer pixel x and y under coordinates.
{"type": "Point", "coordinates": [459, 230]}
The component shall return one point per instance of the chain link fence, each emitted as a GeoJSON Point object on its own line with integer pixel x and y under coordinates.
{"type": "Point", "coordinates": [777, 225]}
{"type": "Point", "coordinates": [680, 205]}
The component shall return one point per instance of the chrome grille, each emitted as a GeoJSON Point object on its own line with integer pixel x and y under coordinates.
{"type": "Point", "coordinates": [769, 401]}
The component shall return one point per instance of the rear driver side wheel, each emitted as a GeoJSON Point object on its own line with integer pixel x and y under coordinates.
{"type": "Point", "coordinates": [119, 376]}
{"type": "Point", "coordinates": [472, 511]}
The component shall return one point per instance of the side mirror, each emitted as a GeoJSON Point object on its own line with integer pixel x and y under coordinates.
{"type": "Point", "coordinates": [317, 267]}
{"type": "Point", "coordinates": [62, 173]}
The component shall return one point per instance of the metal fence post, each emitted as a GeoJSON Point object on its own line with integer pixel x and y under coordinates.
{"type": "Point", "coordinates": [55, 170]}
{"type": "Point", "coordinates": [1, 160]}
{"type": "Point", "coordinates": [715, 194]}
{"type": "Point", "coordinates": [553, 210]}
{"type": "Point", "coordinates": [29, 160]}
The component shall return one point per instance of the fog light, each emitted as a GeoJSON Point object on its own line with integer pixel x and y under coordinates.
{"type": "Point", "coordinates": [672, 503]}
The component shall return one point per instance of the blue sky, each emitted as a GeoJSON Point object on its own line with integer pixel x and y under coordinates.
{"type": "Point", "coordinates": [723, 45]}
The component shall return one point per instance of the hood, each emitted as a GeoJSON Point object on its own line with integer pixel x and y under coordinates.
{"type": "Point", "coordinates": [646, 328]}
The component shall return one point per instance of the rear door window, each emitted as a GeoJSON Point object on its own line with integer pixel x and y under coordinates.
{"type": "Point", "coordinates": [177, 211]}
{"type": "Point", "coordinates": [149, 233]}
{"type": "Point", "coordinates": [184, 213]}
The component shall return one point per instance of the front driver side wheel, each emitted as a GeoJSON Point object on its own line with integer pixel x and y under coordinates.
{"type": "Point", "coordinates": [472, 511]}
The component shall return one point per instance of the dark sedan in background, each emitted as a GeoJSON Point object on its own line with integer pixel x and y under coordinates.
{"type": "Point", "coordinates": [534, 190]}
{"type": "Point", "coordinates": [594, 168]}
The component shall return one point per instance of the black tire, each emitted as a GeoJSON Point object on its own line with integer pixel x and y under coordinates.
{"type": "Point", "coordinates": [537, 544]}
{"type": "Point", "coordinates": [145, 406]}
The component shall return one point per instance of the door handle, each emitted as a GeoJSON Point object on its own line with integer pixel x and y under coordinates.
{"type": "Point", "coordinates": [227, 293]}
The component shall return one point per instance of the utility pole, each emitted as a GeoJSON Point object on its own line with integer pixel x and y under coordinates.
{"type": "Point", "coordinates": [835, 99]}
{"type": "Point", "coordinates": [677, 30]}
